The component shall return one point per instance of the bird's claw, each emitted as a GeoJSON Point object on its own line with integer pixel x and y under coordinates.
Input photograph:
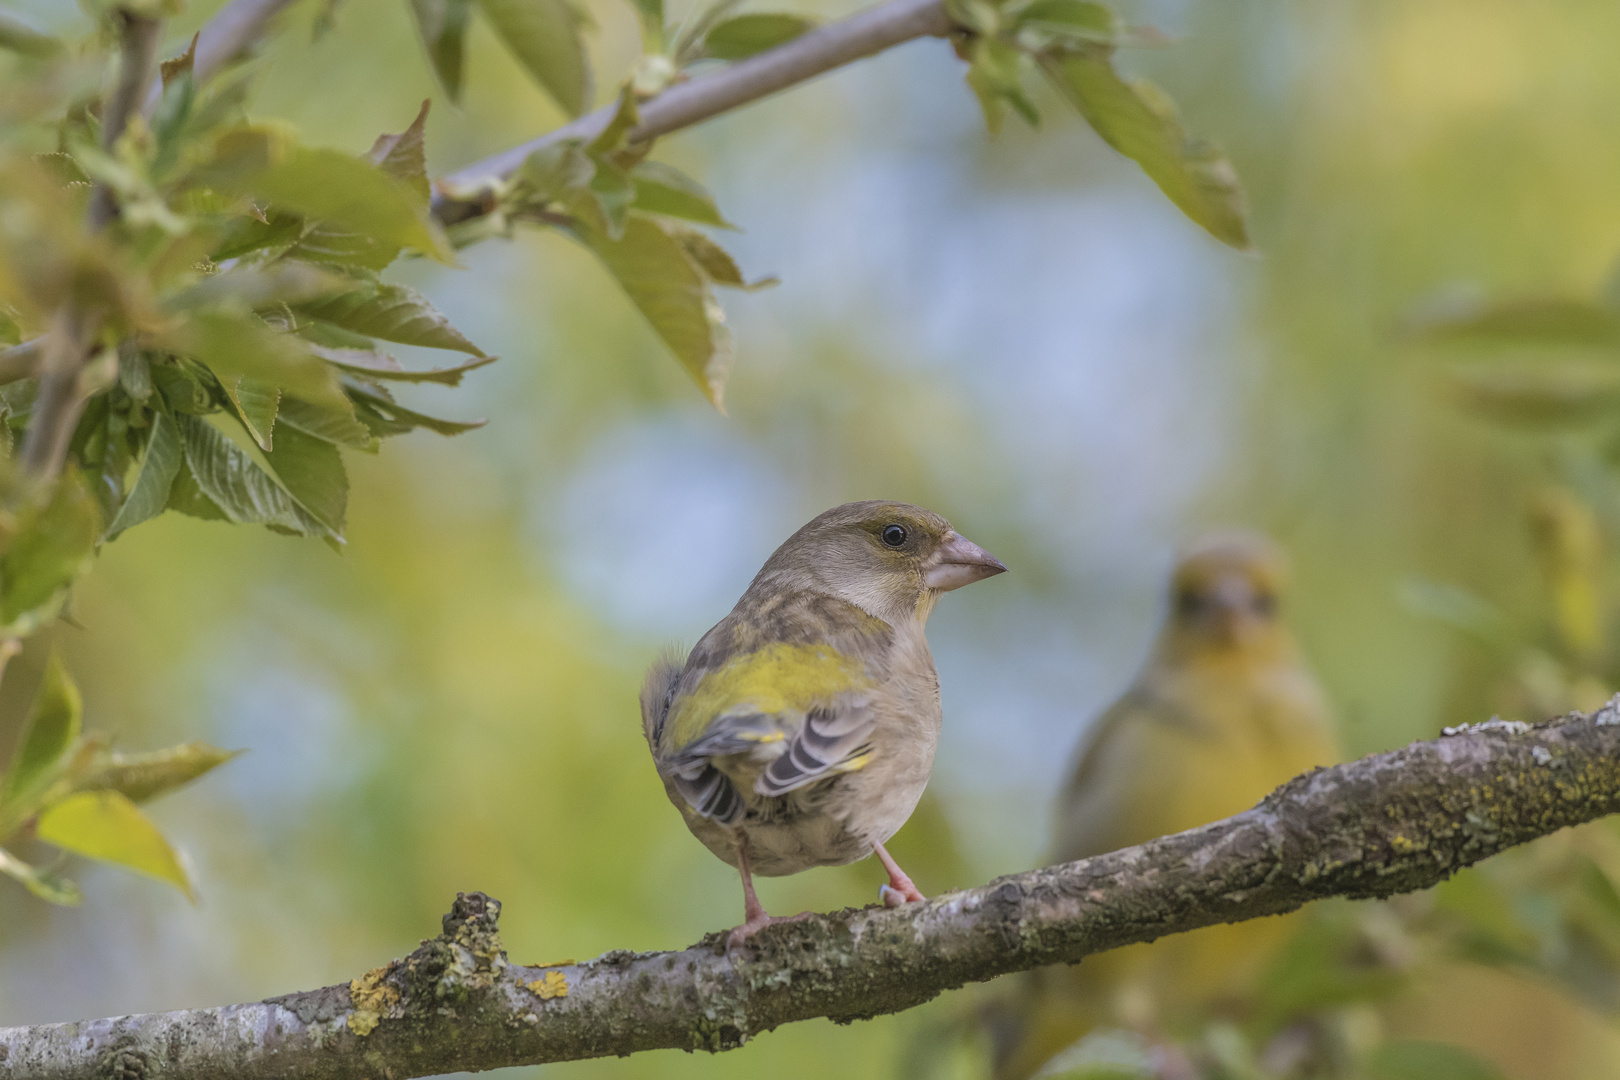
{"type": "Point", "coordinates": [893, 897]}
{"type": "Point", "coordinates": [753, 926]}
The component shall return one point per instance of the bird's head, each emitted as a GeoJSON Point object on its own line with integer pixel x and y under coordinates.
{"type": "Point", "coordinates": [1225, 593]}
{"type": "Point", "coordinates": [891, 559]}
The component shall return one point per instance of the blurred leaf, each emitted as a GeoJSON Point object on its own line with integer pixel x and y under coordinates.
{"type": "Point", "coordinates": [258, 287]}
{"type": "Point", "coordinates": [1492, 932]}
{"type": "Point", "coordinates": [255, 403]}
{"type": "Point", "coordinates": [19, 37]}
{"type": "Point", "coordinates": [393, 313]}
{"type": "Point", "coordinates": [378, 365]}
{"type": "Point", "coordinates": [715, 262]}
{"type": "Point", "coordinates": [241, 345]}
{"type": "Point", "coordinates": [652, 24]}
{"type": "Point", "coordinates": [385, 417]}
{"type": "Point", "coordinates": [235, 484]}
{"type": "Point", "coordinates": [106, 825]}
{"type": "Point", "coordinates": [324, 422]}
{"type": "Point", "coordinates": [689, 43]}
{"type": "Point", "coordinates": [1416, 1060]}
{"type": "Point", "coordinates": [614, 192]}
{"type": "Point", "coordinates": [1140, 122]}
{"type": "Point", "coordinates": [170, 70]}
{"type": "Point", "coordinates": [661, 279]}
{"type": "Point", "coordinates": [1456, 607]}
{"type": "Point", "coordinates": [311, 470]}
{"type": "Point", "coordinates": [1324, 965]}
{"type": "Point", "coordinates": [664, 189]}
{"type": "Point", "coordinates": [1079, 20]}
{"type": "Point", "coordinates": [140, 777]}
{"type": "Point", "coordinates": [48, 733]}
{"type": "Point", "coordinates": [554, 169]}
{"type": "Point", "coordinates": [403, 155]}
{"type": "Point", "coordinates": [443, 24]}
{"type": "Point", "coordinates": [545, 36]}
{"type": "Point", "coordinates": [180, 384]}
{"type": "Point", "coordinates": [995, 73]}
{"type": "Point", "coordinates": [1546, 394]}
{"type": "Point", "coordinates": [149, 494]}
{"type": "Point", "coordinates": [324, 185]}
{"type": "Point", "coordinates": [747, 35]}
{"type": "Point", "coordinates": [53, 546]}
{"type": "Point", "coordinates": [42, 883]}
{"type": "Point", "coordinates": [1551, 321]}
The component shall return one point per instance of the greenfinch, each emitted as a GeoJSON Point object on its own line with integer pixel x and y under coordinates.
{"type": "Point", "coordinates": [801, 730]}
{"type": "Point", "coordinates": [1223, 712]}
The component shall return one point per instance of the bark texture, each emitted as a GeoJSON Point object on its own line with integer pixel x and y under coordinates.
{"type": "Point", "coordinates": [1385, 824]}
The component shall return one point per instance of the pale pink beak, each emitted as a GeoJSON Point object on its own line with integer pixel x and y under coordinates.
{"type": "Point", "coordinates": [958, 562]}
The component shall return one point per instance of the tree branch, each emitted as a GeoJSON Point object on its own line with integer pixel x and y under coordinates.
{"type": "Point", "coordinates": [457, 196]}
{"type": "Point", "coordinates": [1386, 824]}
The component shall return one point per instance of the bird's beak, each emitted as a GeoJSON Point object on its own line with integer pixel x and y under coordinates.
{"type": "Point", "coordinates": [958, 562]}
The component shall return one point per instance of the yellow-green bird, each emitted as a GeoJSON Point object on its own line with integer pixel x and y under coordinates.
{"type": "Point", "coordinates": [1224, 711]}
{"type": "Point", "coordinates": [801, 730]}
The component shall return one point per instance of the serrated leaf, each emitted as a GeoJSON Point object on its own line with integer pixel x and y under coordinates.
{"type": "Point", "coordinates": [659, 276]}
{"type": "Point", "coordinates": [324, 422]}
{"type": "Point", "coordinates": [107, 826]}
{"type": "Point", "coordinates": [393, 313]}
{"type": "Point", "coordinates": [443, 24]}
{"type": "Point", "coordinates": [144, 776]}
{"type": "Point", "coordinates": [1140, 122]}
{"type": "Point", "coordinates": [233, 482]}
{"type": "Point", "coordinates": [715, 262]}
{"type": "Point", "coordinates": [311, 470]}
{"type": "Point", "coordinates": [255, 404]}
{"type": "Point", "coordinates": [170, 70]}
{"type": "Point", "coordinates": [187, 498]}
{"type": "Point", "coordinates": [237, 345]}
{"type": "Point", "coordinates": [258, 287]}
{"type": "Point", "coordinates": [743, 36]}
{"type": "Point", "coordinates": [403, 155]}
{"type": "Point", "coordinates": [324, 185]}
{"type": "Point", "coordinates": [545, 36]}
{"type": "Point", "coordinates": [48, 733]}
{"type": "Point", "coordinates": [149, 494]}
{"type": "Point", "coordinates": [378, 365]}
{"type": "Point", "coordinates": [53, 546]}
{"type": "Point", "coordinates": [42, 883]}
{"type": "Point", "coordinates": [385, 417]}
{"type": "Point", "coordinates": [664, 189]}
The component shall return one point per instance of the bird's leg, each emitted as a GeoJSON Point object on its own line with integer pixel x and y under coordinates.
{"type": "Point", "coordinates": [899, 890]}
{"type": "Point", "coordinates": [754, 917]}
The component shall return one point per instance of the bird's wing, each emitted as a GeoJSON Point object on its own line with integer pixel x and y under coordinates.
{"type": "Point", "coordinates": [771, 702]}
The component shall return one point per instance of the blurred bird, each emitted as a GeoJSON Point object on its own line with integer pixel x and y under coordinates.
{"type": "Point", "coordinates": [801, 730]}
{"type": "Point", "coordinates": [1224, 711]}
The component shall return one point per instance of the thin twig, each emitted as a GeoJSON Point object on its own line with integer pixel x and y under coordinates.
{"type": "Point", "coordinates": [1386, 824]}
{"type": "Point", "coordinates": [457, 196]}
{"type": "Point", "coordinates": [21, 361]}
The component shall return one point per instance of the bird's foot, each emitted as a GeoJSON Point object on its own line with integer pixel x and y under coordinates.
{"type": "Point", "coordinates": [759, 922]}
{"type": "Point", "coordinates": [900, 892]}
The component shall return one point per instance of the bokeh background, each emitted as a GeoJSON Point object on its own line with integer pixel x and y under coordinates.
{"type": "Point", "coordinates": [1018, 332]}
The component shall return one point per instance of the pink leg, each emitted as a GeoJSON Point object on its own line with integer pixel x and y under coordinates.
{"type": "Point", "coordinates": [899, 890]}
{"type": "Point", "coordinates": [754, 917]}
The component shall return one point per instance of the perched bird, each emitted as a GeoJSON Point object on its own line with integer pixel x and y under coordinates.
{"type": "Point", "coordinates": [1224, 711]}
{"type": "Point", "coordinates": [801, 730]}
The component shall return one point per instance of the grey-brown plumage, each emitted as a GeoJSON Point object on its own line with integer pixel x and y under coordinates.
{"type": "Point", "coordinates": [801, 730]}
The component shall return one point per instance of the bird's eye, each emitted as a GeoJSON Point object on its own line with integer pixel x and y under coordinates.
{"type": "Point", "coordinates": [894, 535]}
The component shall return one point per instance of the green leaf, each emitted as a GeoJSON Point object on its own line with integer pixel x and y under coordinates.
{"type": "Point", "coordinates": [42, 883]}
{"type": "Point", "coordinates": [334, 425]}
{"type": "Point", "coordinates": [311, 470]}
{"type": "Point", "coordinates": [48, 733]}
{"type": "Point", "coordinates": [1549, 322]}
{"type": "Point", "coordinates": [140, 777]}
{"type": "Point", "coordinates": [552, 170]}
{"type": "Point", "coordinates": [233, 482]}
{"type": "Point", "coordinates": [1417, 1060]}
{"type": "Point", "coordinates": [53, 546]}
{"type": "Point", "coordinates": [255, 288]}
{"type": "Point", "coordinates": [689, 44]}
{"type": "Point", "coordinates": [715, 262]}
{"type": "Point", "coordinates": [404, 156]}
{"type": "Point", "coordinates": [661, 279]}
{"type": "Point", "coordinates": [149, 494]}
{"type": "Point", "coordinates": [385, 417]}
{"type": "Point", "coordinates": [1548, 394]}
{"type": "Point", "coordinates": [746, 35]}
{"type": "Point", "coordinates": [255, 403]}
{"type": "Point", "coordinates": [996, 75]}
{"type": "Point", "coordinates": [324, 185]}
{"type": "Point", "coordinates": [393, 313]}
{"type": "Point", "coordinates": [186, 497]}
{"type": "Point", "coordinates": [1079, 20]}
{"type": "Point", "coordinates": [236, 345]}
{"type": "Point", "coordinates": [18, 37]}
{"type": "Point", "coordinates": [545, 36]}
{"type": "Point", "coordinates": [1140, 122]}
{"type": "Point", "coordinates": [664, 189]}
{"type": "Point", "coordinates": [614, 191]}
{"type": "Point", "coordinates": [652, 23]}
{"type": "Point", "coordinates": [443, 24]}
{"type": "Point", "coordinates": [378, 365]}
{"type": "Point", "coordinates": [107, 826]}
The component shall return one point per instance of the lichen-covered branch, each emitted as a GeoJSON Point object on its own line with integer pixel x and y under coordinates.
{"type": "Point", "coordinates": [457, 197]}
{"type": "Point", "coordinates": [1386, 824]}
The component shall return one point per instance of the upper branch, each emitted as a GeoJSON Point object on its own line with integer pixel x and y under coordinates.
{"type": "Point", "coordinates": [456, 196]}
{"type": "Point", "coordinates": [1386, 824]}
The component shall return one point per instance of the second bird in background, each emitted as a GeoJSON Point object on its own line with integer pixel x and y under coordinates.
{"type": "Point", "coordinates": [1224, 711]}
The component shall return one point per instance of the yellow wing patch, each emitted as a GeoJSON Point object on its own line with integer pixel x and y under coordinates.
{"type": "Point", "coordinates": [779, 678]}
